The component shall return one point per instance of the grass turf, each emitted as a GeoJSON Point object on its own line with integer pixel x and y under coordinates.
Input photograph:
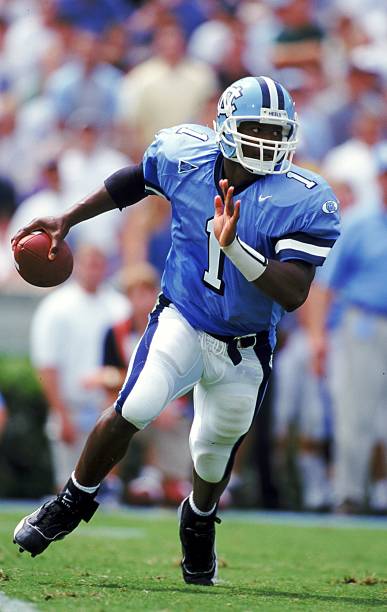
{"type": "Point", "coordinates": [125, 561]}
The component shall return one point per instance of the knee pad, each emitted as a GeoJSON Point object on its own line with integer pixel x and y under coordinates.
{"type": "Point", "coordinates": [210, 461]}
{"type": "Point", "coordinates": [216, 430]}
{"type": "Point", "coordinates": [146, 400]}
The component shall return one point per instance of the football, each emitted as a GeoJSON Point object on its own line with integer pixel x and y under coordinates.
{"type": "Point", "coordinates": [33, 265]}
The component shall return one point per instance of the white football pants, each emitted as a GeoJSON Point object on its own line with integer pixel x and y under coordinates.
{"type": "Point", "coordinates": [172, 358]}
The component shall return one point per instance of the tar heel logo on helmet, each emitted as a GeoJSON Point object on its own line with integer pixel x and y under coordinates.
{"type": "Point", "coordinates": [331, 206]}
{"type": "Point", "coordinates": [226, 104]}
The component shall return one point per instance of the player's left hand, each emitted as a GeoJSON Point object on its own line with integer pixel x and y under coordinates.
{"type": "Point", "coordinates": [226, 214]}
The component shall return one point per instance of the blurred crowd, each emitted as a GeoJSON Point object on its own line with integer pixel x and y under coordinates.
{"type": "Point", "coordinates": [84, 86]}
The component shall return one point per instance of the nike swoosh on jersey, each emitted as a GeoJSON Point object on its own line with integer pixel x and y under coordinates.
{"type": "Point", "coordinates": [262, 198]}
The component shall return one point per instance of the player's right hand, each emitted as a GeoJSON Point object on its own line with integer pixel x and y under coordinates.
{"type": "Point", "coordinates": [226, 214]}
{"type": "Point", "coordinates": [55, 227]}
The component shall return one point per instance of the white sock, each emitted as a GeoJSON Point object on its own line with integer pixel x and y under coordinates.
{"type": "Point", "coordinates": [81, 487]}
{"type": "Point", "coordinates": [196, 509]}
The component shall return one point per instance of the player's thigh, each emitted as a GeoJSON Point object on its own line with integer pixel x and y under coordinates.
{"type": "Point", "coordinates": [224, 411]}
{"type": "Point", "coordinates": [166, 363]}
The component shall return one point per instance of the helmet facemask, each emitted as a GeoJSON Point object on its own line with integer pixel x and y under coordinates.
{"type": "Point", "coordinates": [272, 156]}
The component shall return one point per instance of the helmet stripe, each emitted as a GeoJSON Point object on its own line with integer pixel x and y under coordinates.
{"type": "Point", "coordinates": [273, 93]}
{"type": "Point", "coordinates": [281, 97]}
{"type": "Point", "coordinates": [265, 92]}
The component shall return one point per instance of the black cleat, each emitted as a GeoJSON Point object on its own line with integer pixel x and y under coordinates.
{"type": "Point", "coordinates": [53, 521]}
{"type": "Point", "coordinates": [197, 536]}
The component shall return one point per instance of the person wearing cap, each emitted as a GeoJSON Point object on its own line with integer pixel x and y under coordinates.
{"type": "Point", "coordinates": [356, 274]}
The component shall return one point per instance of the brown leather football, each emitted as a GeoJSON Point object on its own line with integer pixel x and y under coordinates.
{"type": "Point", "coordinates": [33, 265]}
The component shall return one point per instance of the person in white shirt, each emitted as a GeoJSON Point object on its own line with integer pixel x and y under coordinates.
{"type": "Point", "coordinates": [66, 344]}
{"type": "Point", "coordinates": [82, 167]}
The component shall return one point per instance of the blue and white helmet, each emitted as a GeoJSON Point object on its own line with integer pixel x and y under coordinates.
{"type": "Point", "coordinates": [257, 99]}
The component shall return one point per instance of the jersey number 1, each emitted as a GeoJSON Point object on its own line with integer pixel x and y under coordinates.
{"type": "Point", "coordinates": [212, 277]}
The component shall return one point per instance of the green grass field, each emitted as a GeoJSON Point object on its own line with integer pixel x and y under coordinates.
{"type": "Point", "coordinates": [126, 561]}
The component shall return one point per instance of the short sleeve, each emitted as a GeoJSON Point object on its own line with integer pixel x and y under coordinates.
{"type": "Point", "coordinates": [153, 168]}
{"type": "Point", "coordinates": [315, 232]}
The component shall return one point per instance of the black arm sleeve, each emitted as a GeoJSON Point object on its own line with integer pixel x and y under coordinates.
{"type": "Point", "coordinates": [126, 186]}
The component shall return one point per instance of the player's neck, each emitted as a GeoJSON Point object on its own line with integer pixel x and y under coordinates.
{"type": "Point", "coordinates": [237, 175]}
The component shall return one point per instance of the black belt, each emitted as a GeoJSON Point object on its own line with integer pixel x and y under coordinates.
{"type": "Point", "coordinates": [234, 343]}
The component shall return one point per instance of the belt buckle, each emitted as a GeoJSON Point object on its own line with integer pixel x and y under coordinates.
{"type": "Point", "coordinates": [239, 338]}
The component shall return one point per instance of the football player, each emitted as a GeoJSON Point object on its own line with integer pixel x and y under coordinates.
{"type": "Point", "coordinates": [248, 229]}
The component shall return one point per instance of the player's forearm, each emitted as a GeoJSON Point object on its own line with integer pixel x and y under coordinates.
{"type": "Point", "coordinates": [94, 204]}
{"type": "Point", "coordinates": [286, 283]}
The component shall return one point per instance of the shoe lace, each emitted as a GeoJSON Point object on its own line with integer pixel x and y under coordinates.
{"type": "Point", "coordinates": [52, 509]}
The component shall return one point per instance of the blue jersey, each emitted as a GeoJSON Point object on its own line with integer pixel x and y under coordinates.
{"type": "Point", "coordinates": [284, 217]}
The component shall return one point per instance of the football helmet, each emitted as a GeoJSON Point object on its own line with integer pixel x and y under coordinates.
{"type": "Point", "coordinates": [263, 100]}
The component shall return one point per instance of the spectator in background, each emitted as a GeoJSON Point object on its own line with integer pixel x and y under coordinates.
{"type": "Point", "coordinates": [28, 39]}
{"type": "Point", "coordinates": [315, 134]}
{"type": "Point", "coordinates": [3, 415]}
{"type": "Point", "coordinates": [220, 42]}
{"type": "Point", "coordinates": [358, 87]}
{"type": "Point", "coordinates": [85, 81]}
{"type": "Point", "coordinates": [5, 68]}
{"type": "Point", "coordinates": [354, 160]}
{"type": "Point", "coordinates": [15, 162]}
{"type": "Point", "coordinates": [94, 15]}
{"type": "Point", "coordinates": [82, 166]}
{"type": "Point", "coordinates": [356, 273]}
{"type": "Point", "coordinates": [300, 36]}
{"type": "Point", "coordinates": [49, 200]}
{"type": "Point", "coordinates": [147, 233]}
{"type": "Point", "coordinates": [300, 413]}
{"type": "Point", "coordinates": [66, 339]}
{"type": "Point", "coordinates": [166, 89]}
{"type": "Point", "coordinates": [232, 64]}
{"type": "Point", "coordinates": [8, 201]}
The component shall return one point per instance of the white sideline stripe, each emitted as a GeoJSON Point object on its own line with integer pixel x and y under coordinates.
{"type": "Point", "coordinates": [7, 604]}
{"type": "Point", "coordinates": [297, 245]}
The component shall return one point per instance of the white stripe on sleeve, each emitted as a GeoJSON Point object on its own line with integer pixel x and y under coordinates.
{"type": "Point", "coordinates": [296, 245]}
